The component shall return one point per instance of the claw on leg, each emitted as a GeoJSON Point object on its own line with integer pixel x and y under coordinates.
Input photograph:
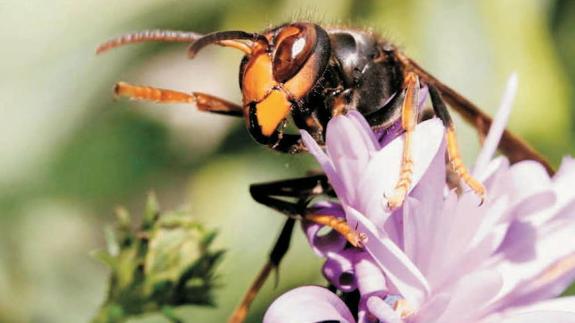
{"type": "Point", "coordinates": [402, 186]}
{"type": "Point", "coordinates": [355, 238]}
{"type": "Point", "coordinates": [458, 166]}
{"type": "Point", "coordinates": [408, 122]}
{"type": "Point", "coordinates": [452, 148]}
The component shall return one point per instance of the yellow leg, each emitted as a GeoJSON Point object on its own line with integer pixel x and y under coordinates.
{"type": "Point", "coordinates": [355, 238]}
{"type": "Point", "coordinates": [240, 313]}
{"type": "Point", "coordinates": [458, 166]}
{"type": "Point", "coordinates": [204, 102]}
{"type": "Point", "coordinates": [408, 122]}
{"type": "Point", "coordinates": [452, 148]}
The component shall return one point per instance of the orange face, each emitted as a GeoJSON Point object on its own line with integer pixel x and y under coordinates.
{"type": "Point", "coordinates": [278, 73]}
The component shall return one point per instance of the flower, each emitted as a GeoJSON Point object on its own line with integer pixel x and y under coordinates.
{"type": "Point", "coordinates": [442, 257]}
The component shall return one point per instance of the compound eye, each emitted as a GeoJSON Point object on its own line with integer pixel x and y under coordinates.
{"type": "Point", "coordinates": [291, 54]}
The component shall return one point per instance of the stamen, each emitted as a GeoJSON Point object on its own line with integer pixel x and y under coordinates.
{"type": "Point", "coordinates": [403, 308]}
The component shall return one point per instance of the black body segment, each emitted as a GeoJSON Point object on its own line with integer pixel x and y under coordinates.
{"type": "Point", "coordinates": [362, 73]}
{"type": "Point", "coordinates": [301, 190]}
{"type": "Point", "coordinates": [367, 68]}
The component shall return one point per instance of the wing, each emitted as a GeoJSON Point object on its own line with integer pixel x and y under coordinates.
{"type": "Point", "coordinates": [515, 148]}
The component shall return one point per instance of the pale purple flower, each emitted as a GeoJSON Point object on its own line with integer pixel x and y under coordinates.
{"type": "Point", "coordinates": [442, 257]}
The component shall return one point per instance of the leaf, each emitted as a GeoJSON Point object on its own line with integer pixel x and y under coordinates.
{"type": "Point", "coordinates": [104, 257]}
{"type": "Point", "coordinates": [152, 211]}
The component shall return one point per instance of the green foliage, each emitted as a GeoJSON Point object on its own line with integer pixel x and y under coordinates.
{"type": "Point", "coordinates": [166, 262]}
{"type": "Point", "coordinates": [111, 155]}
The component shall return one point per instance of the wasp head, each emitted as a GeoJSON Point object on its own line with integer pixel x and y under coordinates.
{"type": "Point", "coordinates": [280, 68]}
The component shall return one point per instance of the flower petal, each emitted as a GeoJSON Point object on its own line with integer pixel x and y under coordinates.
{"type": "Point", "coordinates": [432, 309]}
{"type": "Point", "coordinates": [324, 161]}
{"type": "Point", "coordinates": [549, 283]}
{"type": "Point", "coordinates": [495, 169]}
{"type": "Point", "coordinates": [368, 135]}
{"type": "Point", "coordinates": [538, 317]}
{"type": "Point", "coordinates": [564, 179]}
{"type": "Point", "coordinates": [349, 147]}
{"type": "Point", "coordinates": [420, 224]}
{"type": "Point", "coordinates": [566, 170]}
{"type": "Point", "coordinates": [382, 173]}
{"type": "Point", "coordinates": [561, 310]}
{"type": "Point", "coordinates": [497, 127]}
{"type": "Point", "coordinates": [529, 177]}
{"type": "Point", "coordinates": [308, 304]}
{"type": "Point", "coordinates": [369, 276]}
{"type": "Point", "coordinates": [556, 304]}
{"type": "Point", "coordinates": [398, 269]}
{"type": "Point", "coordinates": [422, 96]}
{"type": "Point", "coordinates": [454, 239]}
{"type": "Point", "coordinates": [380, 309]}
{"type": "Point", "coordinates": [471, 296]}
{"type": "Point", "coordinates": [390, 133]}
{"type": "Point", "coordinates": [339, 270]}
{"type": "Point", "coordinates": [538, 267]}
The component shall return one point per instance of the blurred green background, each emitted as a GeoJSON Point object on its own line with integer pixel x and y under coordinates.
{"type": "Point", "coordinates": [70, 153]}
